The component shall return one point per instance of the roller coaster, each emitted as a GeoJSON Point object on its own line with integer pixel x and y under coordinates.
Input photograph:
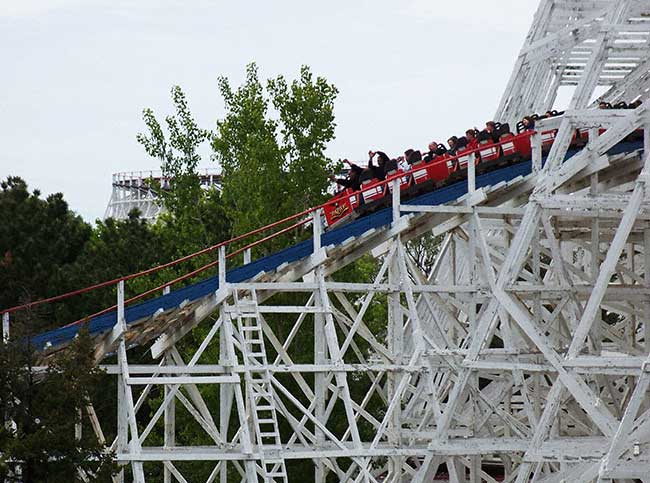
{"type": "Point", "coordinates": [521, 355]}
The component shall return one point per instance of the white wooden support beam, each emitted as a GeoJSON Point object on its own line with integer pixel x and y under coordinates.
{"type": "Point", "coordinates": [222, 267]}
{"type": "Point", "coordinates": [606, 270]}
{"type": "Point", "coordinates": [395, 188]}
{"type": "Point", "coordinates": [120, 325]}
{"type": "Point", "coordinates": [320, 390]}
{"type": "Point", "coordinates": [646, 138]}
{"type": "Point", "coordinates": [169, 436]}
{"type": "Point", "coordinates": [471, 174]}
{"type": "Point", "coordinates": [126, 407]}
{"type": "Point", "coordinates": [563, 172]}
{"type": "Point", "coordinates": [122, 424]}
{"type": "Point", "coordinates": [317, 229]}
{"type": "Point", "coordinates": [78, 427]}
{"type": "Point", "coordinates": [618, 443]}
{"type": "Point", "coordinates": [536, 151]}
{"type": "Point", "coordinates": [5, 327]}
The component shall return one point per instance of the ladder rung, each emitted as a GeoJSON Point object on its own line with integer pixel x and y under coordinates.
{"type": "Point", "coordinates": [261, 378]}
{"type": "Point", "coordinates": [273, 461]}
{"type": "Point", "coordinates": [275, 448]}
{"type": "Point", "coordinates": [246, 302]}
{"type": "Point", "coordinates": [269, 435]}
{"type": "Point", "coordinates": [261, 386]}
{"type": "Point", "coordinates": [266, 421]}
{"type": "Point", "coordinates": [277, 473]}
{"type": "Point", "coordinates": [262, 407]}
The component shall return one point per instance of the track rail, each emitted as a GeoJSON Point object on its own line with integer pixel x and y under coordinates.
{"type": "Point", "coordinates": [104, 320]}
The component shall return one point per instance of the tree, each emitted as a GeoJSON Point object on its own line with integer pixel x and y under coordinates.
{"type": "Point", "coordinates": [424, 251]}
{"type": "Point", "coordinates": [246, 147]}
{"type": "Point", "coordinates": [177, 152]}
{"type": "Point", "coordinates": [194, 216]}
{"type": "Point", "coordinates": [39, 240]}
{"type": "Point", "coordinates": [274, 168]}
{"type": "Point", "coordinates": [306, 110]}
{"type": "Point", "coordinates": [41, 409]}
{"type": "Point", "coordinates": [116, 248]}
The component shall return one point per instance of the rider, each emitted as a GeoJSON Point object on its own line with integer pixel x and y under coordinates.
{"type": "Point", "coordinates": [352, 179]}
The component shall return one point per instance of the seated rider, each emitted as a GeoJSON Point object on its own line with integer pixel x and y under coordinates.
{"type": "Point", "coordinates": [435, 149]}
{"type": "Point", "coordinates": [452, 142]}
{"type": "Point", "coordinates": [491, 128]}
{"type": "Point", "coordinates": [412, 156]}
{"type": "Point", "coordinates": [529, 123]}
{"type": "Point", "coordinates": [352, 179]}
{"type": "Point", "coordinates": [378, 171]}
{"type": "Point", "coordinates": [472, 141]}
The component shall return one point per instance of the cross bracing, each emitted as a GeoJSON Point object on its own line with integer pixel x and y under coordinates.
{"type": "Point", "coordinates": [583, 45]}
{"type": "Point", "coordinates": [140, 190]}
{"type": "Point", "coordinates": [520, 355]}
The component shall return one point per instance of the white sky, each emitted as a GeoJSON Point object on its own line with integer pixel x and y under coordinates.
{"type": "Point", "coordinates": [76, 74]}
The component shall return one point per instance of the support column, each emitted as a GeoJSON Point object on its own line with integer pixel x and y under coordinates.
{"type": "Point", "coordinates": [169, 422]}
{"type": "Point", "coordinates": [595, 332]}
{"type": "Point", "coordinates": [646, 283]}
{"type": "Point", "coordinates": [5, 327]}
{"type": "Point", "coordinates": [122, 424]}
{"type": "Point", "coordinates": [396, 349]}
{"type": "Point", "coordinates": [320, 390]}
{"type": "Point", "coordinates": [226, 396]}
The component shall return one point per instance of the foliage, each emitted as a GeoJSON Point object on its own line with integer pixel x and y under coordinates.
{"type": "Point", "coordinates": [43, 409]}
{"type": "Point", "coordinates": [39, 240]}
{"type": "Point", "coordinates": [177, 152]}
{"type": "Point", "coordinates": [194, 217]}
{"type": "Point", "coordinates": [273, 168]}
{"type": "Point", "coordinates": [423, 251]}
{"type": "Point", "coordinates": [116, 248]}
{"type": "Point", "coordinates": [252, 166]}
{"type": "Point", "coordinates": [306, 110]}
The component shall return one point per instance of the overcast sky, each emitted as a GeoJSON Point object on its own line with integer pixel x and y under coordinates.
{"type": "Point", "coordinates": [76, 74]}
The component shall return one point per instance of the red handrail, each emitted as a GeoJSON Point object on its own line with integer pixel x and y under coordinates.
{"type": "Point", "coordinates": [159, 267]}
{"type": "Point", "coordinates": [224, 243]}
{"type": "Point", "coordinates": [187, 275]}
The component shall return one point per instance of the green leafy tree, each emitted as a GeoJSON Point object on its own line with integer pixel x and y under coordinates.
{"type": "Point", "coordinates": [177, 152]}
{"type": "Point", "coordinates": [423, 251]}
{"type": "Point", "coordinates": [40, 239]}
{"type": "Point", "coordinates": [38, 440]}
{"type": "Point", "coordinates": [306, 111]}
{"type": "Point", "coordinates": [117, 248]}
{"type": "Point", "coordinates": [273, 168]}
{"type": "Point", "coordinates": [254, 189]}
{"type": "Point", "coordinates": [194, 216]}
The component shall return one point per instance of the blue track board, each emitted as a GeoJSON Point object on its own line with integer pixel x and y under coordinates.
{"type": "Point", "coordinates": [294, 253]}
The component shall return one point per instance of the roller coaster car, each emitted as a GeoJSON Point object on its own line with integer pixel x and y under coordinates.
{"type": "Point", "coordinates": [372, 189]}
{"type": "Point", "coordinates": [424, 177]}
{"type": "Point", "coordinates": [441, 171]}
{"type": "Point", "coordinates": [342, 207]}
